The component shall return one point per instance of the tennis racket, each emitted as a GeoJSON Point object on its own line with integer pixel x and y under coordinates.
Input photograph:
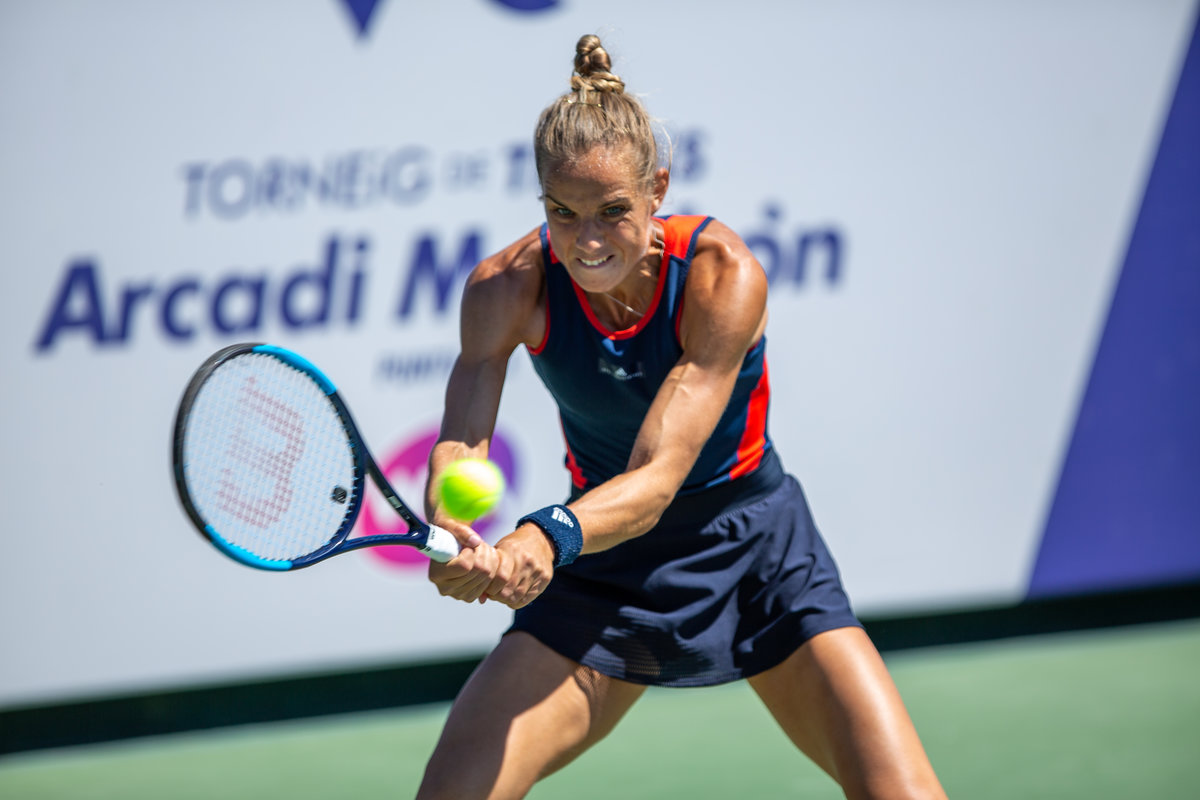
{"type": "Point", "coordinates": [271, 468]}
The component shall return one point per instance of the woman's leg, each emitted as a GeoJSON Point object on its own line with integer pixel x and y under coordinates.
{"type": "Point", "coordinates": [526, 712]}
{"type": "Point", "coordinates": [835, 700]}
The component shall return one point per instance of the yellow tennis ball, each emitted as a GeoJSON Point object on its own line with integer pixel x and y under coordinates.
{"type": "Point", "coordinates": [469, 487]}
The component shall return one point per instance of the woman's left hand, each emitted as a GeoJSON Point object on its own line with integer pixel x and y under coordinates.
{"type": "Point", "coordinates": [526, 565]}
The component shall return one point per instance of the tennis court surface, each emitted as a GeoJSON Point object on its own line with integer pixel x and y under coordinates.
{"type": "Point", "coordinates": [1098, 714]}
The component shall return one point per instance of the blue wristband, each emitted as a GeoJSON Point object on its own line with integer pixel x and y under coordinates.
{"type": "Point", "coordinates": [561, 528]}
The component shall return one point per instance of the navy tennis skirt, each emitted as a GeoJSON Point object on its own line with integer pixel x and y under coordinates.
{"type": "Point", "coordinates": [728, 584]}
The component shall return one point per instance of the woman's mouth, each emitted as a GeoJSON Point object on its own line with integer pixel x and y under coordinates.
{"type": "Point", "coordinates": [588, 262]}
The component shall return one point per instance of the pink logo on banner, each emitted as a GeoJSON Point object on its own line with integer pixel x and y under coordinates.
{"type": "Point", "coordinates": [407, 469]}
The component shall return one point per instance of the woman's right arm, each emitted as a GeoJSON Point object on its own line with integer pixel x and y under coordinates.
{"type": "Point", "coordinates": [502, 308]}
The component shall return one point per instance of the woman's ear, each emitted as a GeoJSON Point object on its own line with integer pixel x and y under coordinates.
{"type": "Point", "coordinates": [662, 179]}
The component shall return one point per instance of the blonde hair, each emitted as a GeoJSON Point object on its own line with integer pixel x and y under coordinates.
{"type": "Point", "coordinates": [596, 111]}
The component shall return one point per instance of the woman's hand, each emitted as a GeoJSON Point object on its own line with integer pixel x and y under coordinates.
{"type": "Point", "coordinates": [525, 569]}
{"type": "Point", "coordinates": [514, 572]}
{"type": "Point", "coordinates": [468, 575]}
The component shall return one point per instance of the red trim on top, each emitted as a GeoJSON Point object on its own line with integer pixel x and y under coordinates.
{"type": "Point", "coordinates": [678, 232]}
{"type": "Point", "coordinates": [673, 237]}
{"type": "Point", "coordinates": [546, 336]}
{"type": "Point", "coordinates": [677, 240]}
{"type": "Point", "coordinates": [679, 318]}
{"type": "Point", "coordinates": [577, 479]}
{"type": "Point", "coordinates": [750, 448]}
{"type": "Point", "coordinates": [536, 351]}
{"type": "Point", "coordinates": [641, 323]}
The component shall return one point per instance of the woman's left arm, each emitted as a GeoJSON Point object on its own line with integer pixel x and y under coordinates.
{"type": "Point", "coordinates": [724, 315]}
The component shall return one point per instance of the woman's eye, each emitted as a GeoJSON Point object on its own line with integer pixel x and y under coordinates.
{"type": "Point", "coordinates": [614, 211]}
{"type": "Point", "coordinates": [562, 212]}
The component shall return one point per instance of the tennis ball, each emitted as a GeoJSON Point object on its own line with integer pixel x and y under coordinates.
{"type": "Point", "coordinates": [469, 487]}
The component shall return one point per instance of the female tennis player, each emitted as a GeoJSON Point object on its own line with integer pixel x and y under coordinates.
{"type": "Point", "coordinates": [685, 555]}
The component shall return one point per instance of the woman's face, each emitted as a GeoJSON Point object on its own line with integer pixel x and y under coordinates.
{"type": "Point", "coordinates": [599, 213]}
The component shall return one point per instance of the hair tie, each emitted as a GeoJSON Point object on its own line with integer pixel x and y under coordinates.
{"type": "Point", "coordinates": [575, 100]}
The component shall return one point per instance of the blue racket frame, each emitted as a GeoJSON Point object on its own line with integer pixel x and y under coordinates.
{"type": "Point", "coordinates": [419, 531]}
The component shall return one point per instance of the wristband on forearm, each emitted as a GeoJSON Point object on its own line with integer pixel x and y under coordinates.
{"type": "Point", "coordinates": [562, 529]}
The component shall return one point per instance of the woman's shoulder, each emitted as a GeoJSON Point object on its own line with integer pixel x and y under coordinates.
{"type": "Point", "coordinates": [725, 282]}
{"type": "Point", "coordinates": [510, 284]}
{"type": "Point", "coordinates": [515, 261]}
{"type": "Point", "coordinates": [511, 273]}
{"type": "Point", "coordinates": [699, 234]}
{"type": "Point", "coordinates": [719, 247]}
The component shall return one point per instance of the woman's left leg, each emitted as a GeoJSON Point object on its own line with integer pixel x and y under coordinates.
{"type": "Point", "coordinates": [836, 701]}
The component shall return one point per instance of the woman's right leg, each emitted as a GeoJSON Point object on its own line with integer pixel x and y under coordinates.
{"type": "Point", "coordinates": [526, 712]}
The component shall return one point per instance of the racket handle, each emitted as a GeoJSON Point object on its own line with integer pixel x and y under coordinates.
{"type": "Point", "coordinates": [441, 545]}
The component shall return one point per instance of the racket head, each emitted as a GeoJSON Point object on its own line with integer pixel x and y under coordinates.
{"type": "Point", "coordinates": [267, 462]}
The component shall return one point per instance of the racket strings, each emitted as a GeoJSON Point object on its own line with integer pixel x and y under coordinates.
{"type": "Point", "coordinates": [268, 462]}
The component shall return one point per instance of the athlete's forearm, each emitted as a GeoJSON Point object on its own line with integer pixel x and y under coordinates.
{"type": "Point", "coordinates": [622, 508]}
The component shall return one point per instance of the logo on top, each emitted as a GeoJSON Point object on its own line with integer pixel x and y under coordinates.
{"type": "Point", "coordinates": [619, 372]}
{"type": "Point", "coordinates": [363, 11]}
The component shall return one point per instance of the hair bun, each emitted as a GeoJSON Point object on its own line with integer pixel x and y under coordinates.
{"type": "Point", "coordinates": [593, 68]}
{"type": "Point", "coordinates": [597, 112]}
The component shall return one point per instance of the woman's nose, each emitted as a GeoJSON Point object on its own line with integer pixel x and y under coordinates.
{"type": "Point", "coordinates": [590, 234]}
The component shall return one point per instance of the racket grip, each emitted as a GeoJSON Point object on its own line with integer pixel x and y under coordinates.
{"type": "Point", "coordinates": [441, 545]}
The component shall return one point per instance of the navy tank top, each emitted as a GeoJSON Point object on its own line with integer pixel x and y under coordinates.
{"type": "Point", "coordinates": [604, 381]}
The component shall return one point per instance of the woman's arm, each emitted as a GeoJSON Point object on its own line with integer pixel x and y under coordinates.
{"type": "Point", "coordinates": [724, 315]}
{"type": "Point", "coordinates": [501, 309]}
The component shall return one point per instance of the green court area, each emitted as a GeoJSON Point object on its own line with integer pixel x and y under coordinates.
{"type": "Point", "coordinates": [1108, 714]}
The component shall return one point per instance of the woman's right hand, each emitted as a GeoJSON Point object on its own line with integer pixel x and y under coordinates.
{"type": "Point", "coordinates": [466, 576]}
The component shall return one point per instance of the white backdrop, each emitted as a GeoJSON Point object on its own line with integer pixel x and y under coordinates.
{"type": "Point", "coordinates": [963, 178]}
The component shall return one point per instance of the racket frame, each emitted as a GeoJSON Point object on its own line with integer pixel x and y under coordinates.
{"type": "Point", "coordinates": [435, 542]}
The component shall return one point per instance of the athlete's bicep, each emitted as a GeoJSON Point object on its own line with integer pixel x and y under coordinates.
{"type": "Point", "coordinates": [500, 312]}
